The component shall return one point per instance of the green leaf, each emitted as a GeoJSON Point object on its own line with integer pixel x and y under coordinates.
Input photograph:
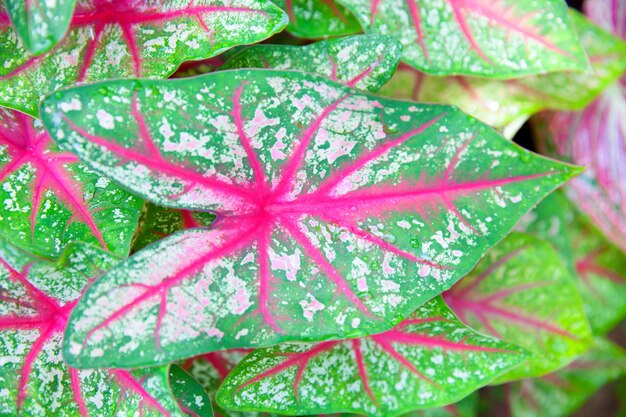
{"type": "Point", "coordinates": [191, 396]}
{"type": "Point", "coordinates": [561, 393]}
{"type": "Point", "coordinates": [521, 292]}
{"type": "Point", "coordinates": [50, 198]}
{"type": "Point", "coordinates": [363, 61]}
{"type": "Point", "coordinates": [318, 18]}
{"type": "Point", "coordinates": [211, 369]}
{"type": "Point", "coordinates": [429, 360]}
{"type": "Point", "coordinates": [600, 267]}
{"type": "Point", "coordinates": [39, 24]}
{"type": "Point", "coordinates": [119, 40]}
{"type": "Point", "coordinates": [489, 38]}
{"type": "Point", "coordinates": [503, 103]}
{"type": "Point", "coordinates": [36, 298]}
{"type": "Point", "coordinates": [309, 178]}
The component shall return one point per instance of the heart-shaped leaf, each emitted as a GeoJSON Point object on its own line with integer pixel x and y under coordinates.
{"type": "Point", "coordinates": [318, 19]}
{"type": "Point", "coordinates": [521, 292]}
{"type": "Point", "coordinates": [211, 369]}
{"type": "Point", "coordinates": [561, 393]}
{"type": "Point", "coordinates": [36, 298]}
{"type": "Point", "coordinates": [599, 266]}
{"type": "Point", "coordinates": [491, 38]}
{"type": "Point", "coordinates": [504, 103]}
{"type": "Point", "coordinates": [193, 400]}
{"type": "Point", "coordinates": [123, 39]}
{"type": "Point", "coordinates": [366, 62]}
{"type": "Point", "coordinates": [50, 198]}
{"type": "Point", "coordinates": [39, 24]}
{"type": "Point", "coordinates": [431, 359]}
{"type": "Point", "coordinates": [319, 188]}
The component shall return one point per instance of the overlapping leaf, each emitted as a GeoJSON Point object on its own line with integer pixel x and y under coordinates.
{"type": "Point", "coordinates": [561, 393]}
{"type": "Point", "coordinates": [595, 137]}
{"type": "Point", "coordinates": [211, 369]}
{"type": "Point", "coordinates": [333, 205]}
{"type": "Point", "coordinates": [505, 104]}
{"type": "Point", "coordinates": [429, 360]}
{"type": "Point", "coordinates": [192, 399]}
{"type": "Point", "coordinates": [598, 265]}
{"type": "Point", "coordinates": [40, 24]}
{"type": "Point", "coordinates": [36, 298]}
{"type": "Point", "coordinates": [130, 38]}
{"type": "Point", "coordinates": [319, 18]}
{"type": "Point", "coordinates": [50, 198]}
{"type": "Point", "coordinates": [366, 62]}
{"type": "Point", "coordinates": [492, 38]}
{"type": "Point", "coordinates": [521, 292]}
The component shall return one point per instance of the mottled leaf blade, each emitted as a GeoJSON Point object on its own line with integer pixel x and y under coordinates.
{"type": "Point", "coordinates": [522, 293]}
{"type": "Point", "coordinates": [561, 393]}
{"type": "Point", "coordinates": [39, 24]}
{"type": "Point", "coordinates": [191, 396]}
{"type": "Point", "coordinates": [495, 38]}
{"type": "Point", "coordinates": [37, 297]}
{"type": "Point", "coordinates": [501, 103]}
{"type": "Point", "coordinates": [211, 369]}
{"type": "Point", "coordinates": [297, 197]}
{"type": "Point", "coordinates": [111, 40]}
{"type": "Point", "coordinates": [51, 198]}
{"type": "Point", "coordinates": [598, 265]}
{"type": "Point", "coordinates": [365, 62]}
{"type": "Point", "coordinates": [318, 19]}
{"type": "Point", "coordinates": [429, 360]}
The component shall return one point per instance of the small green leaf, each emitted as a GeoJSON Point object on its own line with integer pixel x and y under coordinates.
{"type": "Point", "coordinates": [363, 61]}
{"type": "Point", "coordinates": [599, 265]}
{"type": "Point", "coordinates": [40, 24]}
{"type": "Point", "coordinates": [489, 38]}
{"type": "Point", "coordinates": [192, 398]}
{"type": "Point", "coordinates": [431, 359]}
{"type": "Point", "coordinates": [36, 299]}
{"type": "Point", "coordinates": [521, 292]}
{"type": "Point", "coordinates": [50, 198]}
{"type": "Point", "coordinates": [503, 103]}
{"type": "Point", "coordinates": [118, 39]}
{"type": "Point", "coordinates": [563, 392]}
{"type": "Point", "coordinates": [318, 18]}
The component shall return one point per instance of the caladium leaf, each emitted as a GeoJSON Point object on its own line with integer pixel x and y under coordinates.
{"type": "Point", "coordinates": [157, 222]}
{"type": "Point", "coordinates": [430, 359]}
{"type": "Point", "coordinates": [521, 292]}
{"type": "Point", "coordinates": [366, 62]}
{"type": "Point", "coordinates": [36, 298]}
{"type": "Point", "coordinates": [192, 398]}
{"type": "Point", "coordinates": [39, 24]}
{"type": "Point", "coordinates": [599, 266]}
{"type": "Point", "coordinates": [132, 38]}
{"type": "Point", "coordinates": [318, 19]}
{"type": "Point", "coordinates": [504, 103]}
{"type": "Point", "coordinates": [490, 38]}
{"type": "Point", "coordinates": [561, 393]}
{"type": "Point", "coordinates": [211, 369]}
{"type": "Point", "coordinates": [51, 198]}
{"type": "Point", "coordinates": [317, 186]}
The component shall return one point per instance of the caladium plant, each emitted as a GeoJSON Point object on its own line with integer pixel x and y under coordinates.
{"type": "Point", "coordinates": [297, 197]}
{"type": "Point", "coordinates": [275, 238]}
